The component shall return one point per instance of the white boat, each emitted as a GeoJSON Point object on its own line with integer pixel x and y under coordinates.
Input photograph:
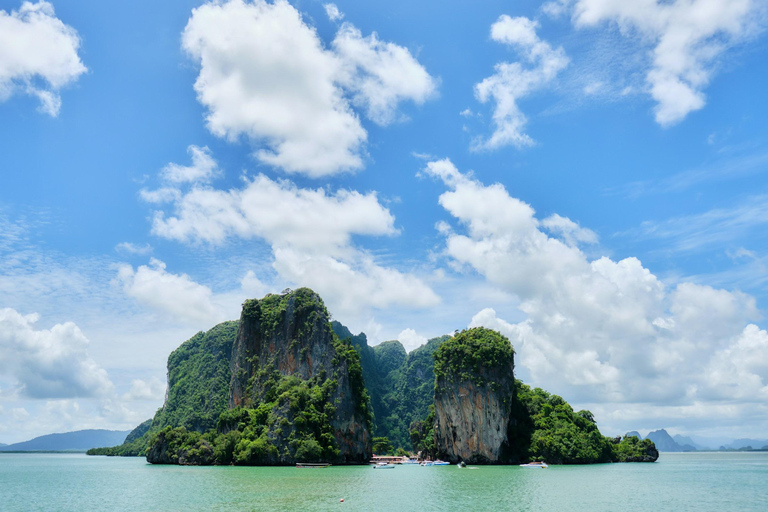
{"type": "Point", "coordinates": [441, 463]}
{"type": "Point", "coordinates": [384, 465]}
{"type": "Point", "coordinates": [542, 465]}
{"type": "Point", "coordinates": [426, 463]}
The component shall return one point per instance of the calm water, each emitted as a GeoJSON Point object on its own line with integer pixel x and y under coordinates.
{"type": "Point", "coordinates": [690, 481]}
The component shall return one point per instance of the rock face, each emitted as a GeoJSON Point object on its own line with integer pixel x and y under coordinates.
{"type": "Point", "coordinates": [473, 391]}
{"type": "Point", "coordinates": [291, 335]}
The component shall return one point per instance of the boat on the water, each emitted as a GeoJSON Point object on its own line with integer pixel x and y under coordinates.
{"type": "Point", "coordinates": [312, 465]}
{"type": "Point", "coordinates": [441, 463]}
{"type": "Point", "coordinates": [461, 465]}
{"type": "Point", "coordinates": [383, 465]}
{"type": "Point", "coordinates": [426, 463]}
{"type": "Point", "coordinates": [542, 465]}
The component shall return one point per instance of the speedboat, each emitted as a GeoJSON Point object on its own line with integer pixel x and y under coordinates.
{"type": "Point", "coordinates": [426, 463]}
{"type": "Point", "coordinates": [441, 463]}
{"type": "Point", "coordinates": [384, 465]}
{"type": "Point", "coordinates": [542, 465]}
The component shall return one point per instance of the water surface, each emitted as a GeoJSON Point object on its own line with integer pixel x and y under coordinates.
{"type": "Point", "coordinates": [678, 481]}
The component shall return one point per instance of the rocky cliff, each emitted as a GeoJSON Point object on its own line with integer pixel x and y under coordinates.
{"type": "Point", "coordinates": [473, 392]}
{"type": "Point", "coordinates": [295, 393]}
{"type": "Point", "coordinates": [290, 335]}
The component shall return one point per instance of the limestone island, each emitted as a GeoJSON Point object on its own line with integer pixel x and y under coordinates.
{"type": "Point", "coordinates": [285, 385]}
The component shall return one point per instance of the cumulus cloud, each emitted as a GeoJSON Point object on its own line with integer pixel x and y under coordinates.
{"type": "Point", "coordinates": [687, 38]}
{"type": "Point", "coordinates": [310, 232]}
{"type": "Point", "coordinates": [333, 12]}
{"type": "Point", "coordinates": [411, 339]}
{"type": "Point", "coordinates": [571, 232]}
{"type": "Point", "coordinates": [49, 363]}
{"type": "Point", "coordinates": [380, 75]}
{"type": "Point", "coordinates": [266, 75]}
{"type": "Point", "coordinates": [513, 81]}
{"type": "Point", "coordinates": [203, 168]}
{"type": "Point", "coordinates": [176, 294]}
{"type": "Point", "coordinates": [38, 54]}
{"type": "Point", "coordinates": [604, 330]}
{"type": "Point", "coordinates": [152, 389]}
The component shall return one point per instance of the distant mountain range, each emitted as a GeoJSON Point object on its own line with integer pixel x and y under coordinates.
{"type": "Point", "coordinates": [78, 441]}
{"type": "Point", "coordinates": [679, 443]}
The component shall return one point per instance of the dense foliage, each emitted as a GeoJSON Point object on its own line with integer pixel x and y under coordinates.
{"type": "Point", "coordinates": [422, 434]}
{"type": "Point", "coordinates": [465, 356]}
{"type": "Point", "coordinates": [547, 428]}
{"type": "Point", "coordinates": [382, 446]}
{"type": "Point", "coordinates": [293, 425]}
{"type": "Point", "coordinates": [401, 385]}
{"type": "Point", "coordinates": [198, 380]}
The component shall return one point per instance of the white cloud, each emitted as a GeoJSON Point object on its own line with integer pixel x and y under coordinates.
{"type": "Point", "coordinates": [310, 219]}
{"type": "Point", "coordinates": [38, 54]}
{"type": "Point", "coordinates": [265, 74]}
{"type": "Point", "coordinates": [379, 74]}
{"type": "Point", "coordinates": [556, 8]}
{"type": "Point", "coordinates": [572, 233]}
{"type": "Point", "coordinates": [49, 363]}
{"type": "Point", "coordinates": [252, 286]}
{"type": "Point", "coordinates": [152, 389]}
{"type": "Point", "coordinates": [131, 248]}
{"type": "Point", "coordinates": [513, 81]}
{"type": "Point", "coordinates": [333, 12]}
{"type": "Point", "coordinates": [176, 294]}
{"type": "Point", "coordinates": [688, 36]}
{"type": "Point", "coordinates": [202, 170]}
{"type": "Point", "coordinates": [354, 282]}
{"type": "Point", "coordinates": [604, 330]}
{"type": "Point", "coordinates": [19, 413]}
{"type": "Point", "coordinates": [411, 339]}
{"type": "Point", "coordinates": [310, 233]}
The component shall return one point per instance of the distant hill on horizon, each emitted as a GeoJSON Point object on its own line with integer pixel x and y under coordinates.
{"type": "Point", "coordinates": [682, 443]}
{"type": "Point", "coordinates": [77, 441]}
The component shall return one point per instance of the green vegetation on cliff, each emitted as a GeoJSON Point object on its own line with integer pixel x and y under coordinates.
{"type": "Point", "coordinates": [198, 380]}
{"type": "Point", "coordinates": [547, 428]}
{"type": "Point", "coordinates": [285, 418]}
{"type": "Point", "coordinates": [299, 392]}
{"type": "Point", "coordinates": [466, 356]}
{"type": "Point", "coordinates": [296, 418]}
{"type": "Point", "coordinates": [401, 385]}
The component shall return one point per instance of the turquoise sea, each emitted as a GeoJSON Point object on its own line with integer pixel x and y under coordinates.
{"type": "Point", "coordinates": [678, 481]}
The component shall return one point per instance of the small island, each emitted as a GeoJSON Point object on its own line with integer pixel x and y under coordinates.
{"type": "Point", "coordinates": [285, 385]}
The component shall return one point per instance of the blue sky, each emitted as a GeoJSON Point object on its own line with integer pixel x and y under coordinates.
{"type": "Point", "coordinates": [586, 176]}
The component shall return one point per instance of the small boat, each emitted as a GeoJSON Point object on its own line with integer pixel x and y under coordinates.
{"type": "Point", "coordinates": [441, 463]}
{"type": "Point", "coordinates": [461, 465]}
{"type": "Point", "coordinates": [542, 465]}
{"type": "Point", "coordinates": [312, 465]}
{"type": "Point", "coordinates": [384, 465]}
{"type": "Point", "coordinates": [410, 461]}
{"type": "Point", "coordinates": [426, 463]}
